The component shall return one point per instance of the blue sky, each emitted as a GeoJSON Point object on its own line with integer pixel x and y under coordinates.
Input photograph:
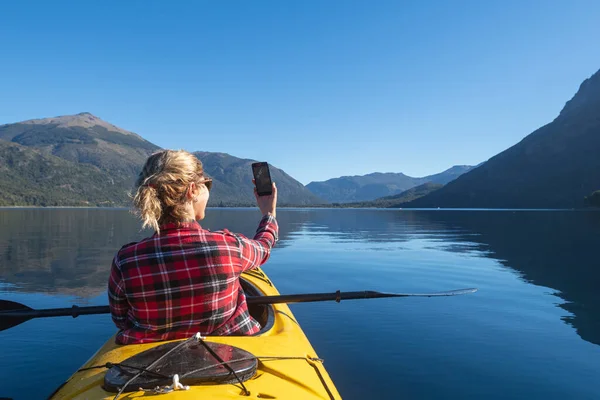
{"type": "Point", "coordinates": [318, 88]}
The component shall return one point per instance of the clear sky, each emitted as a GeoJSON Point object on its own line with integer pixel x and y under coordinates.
{"type": "Point", "coordinates": [318, 88]}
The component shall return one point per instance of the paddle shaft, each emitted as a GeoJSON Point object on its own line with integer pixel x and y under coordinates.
{"type": "Point", "coordinates": [339, 296]}
{"type": "Point", "coordinates": [76, 311]}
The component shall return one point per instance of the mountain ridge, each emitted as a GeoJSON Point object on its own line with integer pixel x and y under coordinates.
{"type": "Point", "coordinates": [372, 186]}
{"type": "Point", "coordinates": [397, 200]}
{"type": "Point", "coordinates": [91, 152]}
{"type": "Point", "coordinates": [82, 119]}
{"type": "Point", "coordinates": [555, 166]}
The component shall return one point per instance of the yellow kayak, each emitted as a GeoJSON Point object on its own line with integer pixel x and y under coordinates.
{"type": "Point", "coordinates": [277, 363]}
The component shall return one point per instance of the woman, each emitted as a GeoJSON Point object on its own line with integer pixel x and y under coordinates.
{"type": "Point", "coordinates": [184, 279]}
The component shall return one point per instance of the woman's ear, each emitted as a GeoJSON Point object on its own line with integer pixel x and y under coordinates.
{"type": "Point", "coordinates": [193, 191]}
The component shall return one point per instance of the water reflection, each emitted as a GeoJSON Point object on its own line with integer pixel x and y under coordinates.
{"type": "Point", "coordinates": [555, 249]}
{"type": "Point", "coordinates": [69, 251]}
{"type": "Point", "coordinates": [60, 250]}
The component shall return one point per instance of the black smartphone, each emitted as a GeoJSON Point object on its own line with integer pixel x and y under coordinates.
{"type": "Point", "coordinates": [262, 178]}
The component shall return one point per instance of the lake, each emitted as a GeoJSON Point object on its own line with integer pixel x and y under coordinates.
{"type": "Point", "coordinates": [532, 331]}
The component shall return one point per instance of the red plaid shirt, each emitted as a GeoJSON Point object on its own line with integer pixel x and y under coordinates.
{"type": "Point", "coordinates": [185, 280]}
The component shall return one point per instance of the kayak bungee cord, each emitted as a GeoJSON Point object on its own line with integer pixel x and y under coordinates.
{"type": "Point", "coordinates": [109, 365]}
{"type": "Point", "coordinates": [176, 385]}
{"type": "Point", "coordinates": [311, 361]}
{"type": "Point", "coordinates": [158, 390]}
{"type": "Point", "coordinates": [260, 358]}
{"type": "Point", "coordinates": [154, 363]}
{"type": "Point", "coordinates": [320, 375]}
{"type": "Point", "coordinates": [219, 359]}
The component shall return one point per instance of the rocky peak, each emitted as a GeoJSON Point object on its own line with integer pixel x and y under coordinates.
{"type": "Point", "coordinates": [83, 120]}
{"type": "Point", "coordinates": [587, 97]}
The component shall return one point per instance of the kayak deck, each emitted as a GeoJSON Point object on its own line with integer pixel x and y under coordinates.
{"type": "Point", "coordinates": [293, 372]}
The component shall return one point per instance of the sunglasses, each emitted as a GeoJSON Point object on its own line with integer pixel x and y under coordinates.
{"type": "Point", "coordinates": [207, 182]}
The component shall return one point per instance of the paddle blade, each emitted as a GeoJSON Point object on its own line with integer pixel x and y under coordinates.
{"type": "Point", "coordinates": [7, 320]}
{"type": "Point", "coordinates": [441, 294]}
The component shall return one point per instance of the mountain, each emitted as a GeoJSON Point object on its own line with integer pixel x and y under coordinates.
{"type": "Point", "coordinates": [29, 177]}
{"type": "Point", "coordinates": [448, 175]}
{"type": "Point", "coordinates": [82, 160]}
{"type": "Point", "coordinates": [84, 139]}
{"type": "Point", "coordinates": [347, 189]}
{"type": "Point", "coordinates": [554, 167]}
{"type": "Point", "coordinates": [398, 200]}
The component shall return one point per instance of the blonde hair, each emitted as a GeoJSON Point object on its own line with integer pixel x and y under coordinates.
{"type": "Point", "coordinates": [162, 185]}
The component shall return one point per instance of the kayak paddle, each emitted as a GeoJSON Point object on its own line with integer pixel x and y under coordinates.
{"type": "Point", "coordinates": [13, 314]}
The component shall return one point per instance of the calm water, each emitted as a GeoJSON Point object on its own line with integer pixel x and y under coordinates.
{"type": "Point", "coordinates": [531, 332]}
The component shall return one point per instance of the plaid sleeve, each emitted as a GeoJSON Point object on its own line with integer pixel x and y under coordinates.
{"type": "Point", "coordinates": [116, 296]}
{"type": "Point", "coordinates": [255, 252]}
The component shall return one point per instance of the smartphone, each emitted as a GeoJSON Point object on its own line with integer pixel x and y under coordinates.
{"type": "Point", "coordinates": [262, 178]}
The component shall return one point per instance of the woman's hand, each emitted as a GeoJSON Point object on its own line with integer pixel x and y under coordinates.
{"type": "Point", "coordinates": [267, 204]}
